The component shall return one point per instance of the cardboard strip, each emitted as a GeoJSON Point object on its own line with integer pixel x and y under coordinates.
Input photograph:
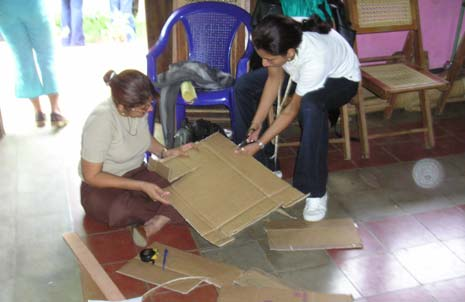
{"type": "Point", "coordinates": [91, 265]}
{"type": "Point", "coordinates": [181, 264]}
{"type": "Point", "coordinates": [291, 235]}
{"type": "Point", "coordinates": [254, 294]}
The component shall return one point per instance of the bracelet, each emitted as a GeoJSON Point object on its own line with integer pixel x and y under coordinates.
{"type": "Point", "coordinates": [261, 145]}
{"type": "Point", "coordinates": [163, 151]}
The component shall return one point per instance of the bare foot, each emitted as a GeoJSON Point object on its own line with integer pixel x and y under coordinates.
{"type": "Point", "coordinates": [155, 224]}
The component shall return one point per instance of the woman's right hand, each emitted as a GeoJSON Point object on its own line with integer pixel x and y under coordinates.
{"type": "Point", "coordinates": [253, 133]}
{"type": "Point", "coordinates": [155, 192]}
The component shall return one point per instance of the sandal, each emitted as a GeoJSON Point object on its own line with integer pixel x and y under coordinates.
{"type": "Point", "coordinates": [58, 120]}
{"type": "Point", "coordinates": [40, 119]}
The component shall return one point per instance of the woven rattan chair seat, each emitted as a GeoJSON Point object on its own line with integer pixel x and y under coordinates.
{"type": "Point", "coordinates": [399, 76]}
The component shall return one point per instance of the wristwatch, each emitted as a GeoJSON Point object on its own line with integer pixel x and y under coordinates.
{"type": "Point", "coordinates": [260, 145]}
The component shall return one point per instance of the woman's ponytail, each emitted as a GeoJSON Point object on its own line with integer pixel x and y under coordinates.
{"type": "Point", "coordinates": [316, 24]}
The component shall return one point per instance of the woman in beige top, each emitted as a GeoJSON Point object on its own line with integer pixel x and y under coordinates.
{"type": "Point", "coordinates": [117, 188]}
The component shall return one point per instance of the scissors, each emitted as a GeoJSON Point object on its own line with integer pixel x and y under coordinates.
{"type": "Point", "coordinates": [244, 143]}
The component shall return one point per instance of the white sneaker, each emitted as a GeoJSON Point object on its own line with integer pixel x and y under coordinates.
{"type": "Point", "coordinates": [315, 208]}
{"type": "Point", "coordinates": [278, 173]}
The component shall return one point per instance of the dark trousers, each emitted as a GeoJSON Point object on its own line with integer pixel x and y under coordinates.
{"type": "Point", "coordinates": [311, 166]}
{"type": "Point", "coordinates": [71, 17]}
{"type": "Point", "coordinates": [118, 207]}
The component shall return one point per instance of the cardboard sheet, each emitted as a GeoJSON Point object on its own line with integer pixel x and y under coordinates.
{"type": "Point", "coordinates": [290, 235]}
{"type": "Point", "coordinates": [220, 193]}
{"type": "Point", "coordinates": [179, 265]}
{"type": "Point", "coordinates": [257, 278]}
{"type": "Point", "coordinates": [254, 294]}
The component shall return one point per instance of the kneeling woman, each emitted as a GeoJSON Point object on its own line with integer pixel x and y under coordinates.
{"type": "Point", "coordinates": [117, 188]}
{"type": "Point", "coordinates": [326, 71]}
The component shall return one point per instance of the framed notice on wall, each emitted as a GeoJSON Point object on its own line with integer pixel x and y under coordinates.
{"type": "Point", "coordinates": [179, 42]}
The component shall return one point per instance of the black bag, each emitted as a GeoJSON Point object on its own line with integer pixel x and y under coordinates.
{"type": "Point", "coordinates": [262, 9]}
{"type": "Point", "coordinates": [343, 27]}
{"type": "Point", "coordinates": [195, 131]}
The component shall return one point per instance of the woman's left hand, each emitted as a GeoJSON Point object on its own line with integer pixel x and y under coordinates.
{"type": "Point", "coordinates": [180, 151]}
{"type": "Point", "coordinates": [249, 149]}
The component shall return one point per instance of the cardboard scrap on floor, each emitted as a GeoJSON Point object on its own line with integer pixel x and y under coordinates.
{"type": "Point", "coordinates": [230, 280]}
{"type": "Point", "coordinates": [257, 278]}
{"type": "Point", "coordinates": [220, 193]}
{"type": "Point", "coordinates": [254, 294]}
{"type": "Point", "coordinates": [255, 285]}
{"type": "Point", "coordinates": [179, 265]}
{"type": "Point", "coordinates": [294, 235]}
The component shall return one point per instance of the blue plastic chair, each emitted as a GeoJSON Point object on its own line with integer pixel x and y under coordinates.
{"type": "Point", "coordinates": [210, 30]}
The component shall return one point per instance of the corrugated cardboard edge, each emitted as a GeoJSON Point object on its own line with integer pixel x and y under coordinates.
{"type": "Point", "coordinates": [180, 264]}
{"type": "Point", "coordinates": [170, 174]}
{"type": "Point", "coordinates": [292, 235]}
{"type": "Point", "coordinates": [254, 294]}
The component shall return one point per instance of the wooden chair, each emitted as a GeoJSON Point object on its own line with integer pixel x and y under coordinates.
{"type": "Point", "coordinates": [452, 74]}
{"type": "Point", "coordinates": [389, 76]}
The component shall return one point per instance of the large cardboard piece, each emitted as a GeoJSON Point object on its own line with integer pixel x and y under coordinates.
{"type": "Point", "coordinates": [219, 192]}
{"type": "Point", "coordinates": [290, 235]}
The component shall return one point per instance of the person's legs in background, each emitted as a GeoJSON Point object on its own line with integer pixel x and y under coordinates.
{"type": "Point", "coordinates": [122, 18]}
{"type": "Point", "coordinates": [71, 23]}
{"type": "Point", "coordinates": [65, 22]}
{"type": "Point", "coordinates": [77, 31]}
{"type": "Point", "coordinates": [28, 84]}
{"type": "Point", "coordinates": [42, 42]}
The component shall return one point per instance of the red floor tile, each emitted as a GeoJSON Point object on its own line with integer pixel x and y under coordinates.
{"type": "Point", "coordinates": [130, 287]}
{"type": "Point", "coordinates": [452, 125]}
{"type": "Point", "coordinates": [378, 156]}
{"type": "Point", "coordinates": [431, 263]}
{"type": "Point", "coordinates": [448, 291]}
{"type": "Point", "coordinates": [112, 246]}
{"type": "Point", "coordinates": [371, 246]}
{"type": "Point", "coordinates": [377, 274]}
{"type": "Point", "coordinates": [445, 223]}
{"type": "Point", "coordinates": [416, 294]}
{"type": "Point", "coordinates": [409, 151]}
{"type": "Point", "coordinates": [177, 236]}
{"type": "Point", "coordinates": [392, 232]}
{"type": "Point", "coordinates": [287, 167]}
{"type": "Point", "coordinates": [337, 162]}
{"type": "Point", "coordinates": [287, 152]}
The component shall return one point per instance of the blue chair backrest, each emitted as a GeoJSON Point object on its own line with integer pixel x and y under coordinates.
{"type": "Point", "coordinates": [210, 29]}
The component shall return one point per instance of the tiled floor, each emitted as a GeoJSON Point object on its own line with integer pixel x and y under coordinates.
{"type": "Point", "coordinates": [414, 238]}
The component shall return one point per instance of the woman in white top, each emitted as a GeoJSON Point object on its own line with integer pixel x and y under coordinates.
{"type": "Point", "coordinates": [117, 188]}
{"type": "Point", "coordinates": [326, 72]}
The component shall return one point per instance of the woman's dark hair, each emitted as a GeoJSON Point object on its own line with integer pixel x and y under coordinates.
{"type": "Point", "coordinates": [276, 34]}
{"type": "Point", "coordinates": [130, 88]}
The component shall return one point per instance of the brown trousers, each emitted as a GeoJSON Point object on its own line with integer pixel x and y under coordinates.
{"type": "Point", "coordinates": [119, 207]}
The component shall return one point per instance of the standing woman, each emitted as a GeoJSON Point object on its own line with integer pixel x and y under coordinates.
{"type": "Point", "coordinates": [27, 29]}
{"type": "Point", "coordinates": [117, 188]}
{"type": "Point", "coordinates": [326, 71]}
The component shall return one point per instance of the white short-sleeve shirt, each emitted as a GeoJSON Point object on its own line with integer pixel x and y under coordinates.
{"type": "Point", "coordinates": [119, 142]}
{"type": "Point", "coordinates": [322, 56]}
